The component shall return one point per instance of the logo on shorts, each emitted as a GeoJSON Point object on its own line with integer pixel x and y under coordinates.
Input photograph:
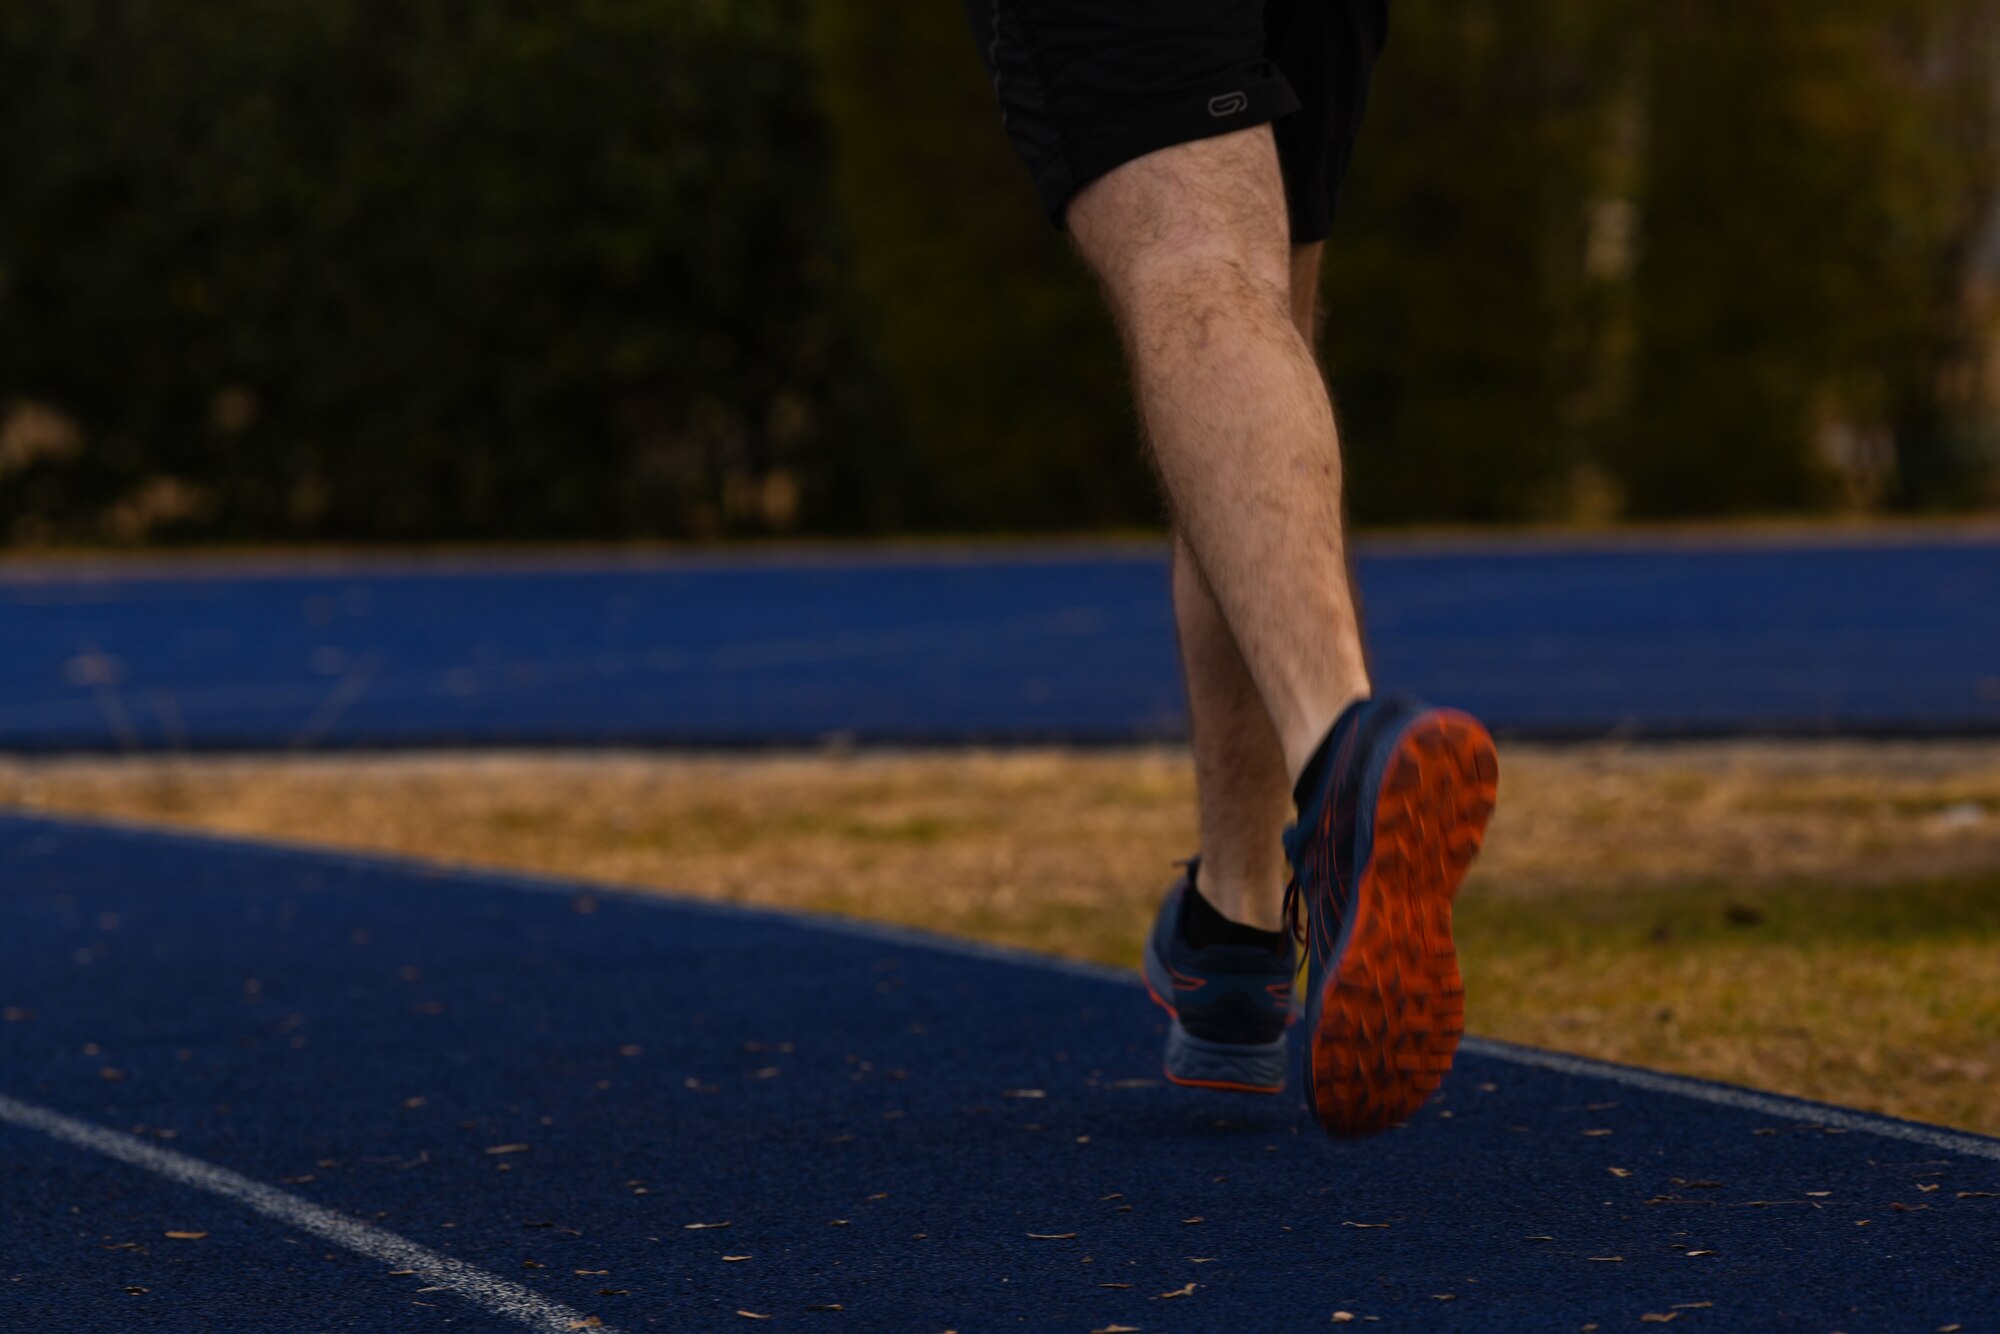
{"type": "Point", "coordinates": [1227, 104]}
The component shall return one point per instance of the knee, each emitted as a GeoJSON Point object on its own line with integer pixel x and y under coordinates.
{"type": "Point", "coordinates": [1189, 276]}
{"type": "Point", "coordinates": [1199, 270]}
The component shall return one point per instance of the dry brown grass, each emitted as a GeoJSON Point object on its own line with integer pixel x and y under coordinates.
{"type": "Point", "coordinates": [1596, 922]}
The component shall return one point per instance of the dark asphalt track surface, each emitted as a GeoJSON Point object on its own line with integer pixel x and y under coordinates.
{"type": "Point", "coordinates": [393, 1097]}
{"type": "Point", "coordinates": [1635, 636]}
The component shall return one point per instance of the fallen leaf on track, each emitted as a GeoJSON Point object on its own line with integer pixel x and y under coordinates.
{"type": "Point", "coordinates": [1187, 1291]}
{"type": "Point", "coordinates": [506, 1148]}
{"type": "Point", "coordinates": [1052, 1236]}
{"type": "Point", "coordinates": [187, 1236]}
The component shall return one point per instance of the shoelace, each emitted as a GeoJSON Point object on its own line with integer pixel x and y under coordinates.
{"type": "Point", "coordinates": [1295, 909]}
{"type": "Point", "coordinates": [1305, 925]}
{"type": "Point", "coordinates": [1308, 928]}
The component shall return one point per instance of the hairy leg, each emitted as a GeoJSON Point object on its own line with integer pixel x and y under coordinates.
{"type": "Point", "coordinates": [1240, 780]}
{"type": "Point", "coordinates": [1191, 246]}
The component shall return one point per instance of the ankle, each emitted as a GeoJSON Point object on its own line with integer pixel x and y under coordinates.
{"type": "Point", "coordinates": [1311, 771]}
{"type": "Point", "coordinates": [1228, 904]}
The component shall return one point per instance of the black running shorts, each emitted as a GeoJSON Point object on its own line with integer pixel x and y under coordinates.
{"type": "Point", "coordinates": [1087, 85]}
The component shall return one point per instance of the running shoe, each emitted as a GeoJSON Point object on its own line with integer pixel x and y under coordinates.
{"type": "Point", "coordinates": [1391, 812]}
{"type": "Point", "coordinates": [1230, 1003]}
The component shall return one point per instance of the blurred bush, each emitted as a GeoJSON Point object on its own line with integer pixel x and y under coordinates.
{"type": "Point", "coordinates": [354, 269]}
{"type": "Point", "coordinates": [1815, 309]}
{"type": "Point", "coordinates": [413, 268]}
{"type": "Point", "coordinates": [1007, 374]}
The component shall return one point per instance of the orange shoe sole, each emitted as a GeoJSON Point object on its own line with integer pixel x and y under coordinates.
{"type": "Point", "coordinates": [1392, 1012]}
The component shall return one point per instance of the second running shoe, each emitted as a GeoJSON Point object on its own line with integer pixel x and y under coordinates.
{"type": "Point", "coordinates": [1230, 1003]}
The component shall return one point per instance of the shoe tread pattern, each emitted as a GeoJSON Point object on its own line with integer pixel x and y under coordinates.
{"type": "Point", "coordinates": [1393, 1010]}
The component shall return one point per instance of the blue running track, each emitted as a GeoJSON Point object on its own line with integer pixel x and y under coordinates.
{"type": "Point", "coordinates": [1632, 637]}
{"type": "Point", "coordinates": [384, 1096]}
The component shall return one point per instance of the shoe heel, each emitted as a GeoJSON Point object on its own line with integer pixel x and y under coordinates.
{"type": "Point", "coordinates": [1235, 1067]}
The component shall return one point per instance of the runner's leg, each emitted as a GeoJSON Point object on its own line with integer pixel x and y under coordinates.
{"type": "Point", "coordinates": [1192, 246]}
{"type": "Point", "coordinates": [1240, 781]}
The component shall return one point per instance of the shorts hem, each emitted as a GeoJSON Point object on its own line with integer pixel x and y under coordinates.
{"type": "Point", "coordinates": [1203, 114]}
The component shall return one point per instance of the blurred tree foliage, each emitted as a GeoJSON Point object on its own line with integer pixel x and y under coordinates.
{"type": "Point", "coordinates": [414, 268]}
{"type": "Point", "coordinates": [1007, 372]}
{"type": "Point", "coordinates": [1467, 337]}
{"type": "Point", "coordinates": [361, 269]}
{"type": "Point", "coordinates": [1817, 181]}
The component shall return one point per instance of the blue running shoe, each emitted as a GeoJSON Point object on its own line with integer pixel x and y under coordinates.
{"type": "Point", "coordinates": [1230, 1003]}
{"type": "Point", "coordinates": [1391, 813]}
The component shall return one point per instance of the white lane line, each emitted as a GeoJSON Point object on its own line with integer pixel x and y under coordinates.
{"type": "Point", "coordinates": [1723, 1095]}
{"type": "Point", "coordinates": [477, 1286]}
{"type": "Point", "coordinates": [885, 933]}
